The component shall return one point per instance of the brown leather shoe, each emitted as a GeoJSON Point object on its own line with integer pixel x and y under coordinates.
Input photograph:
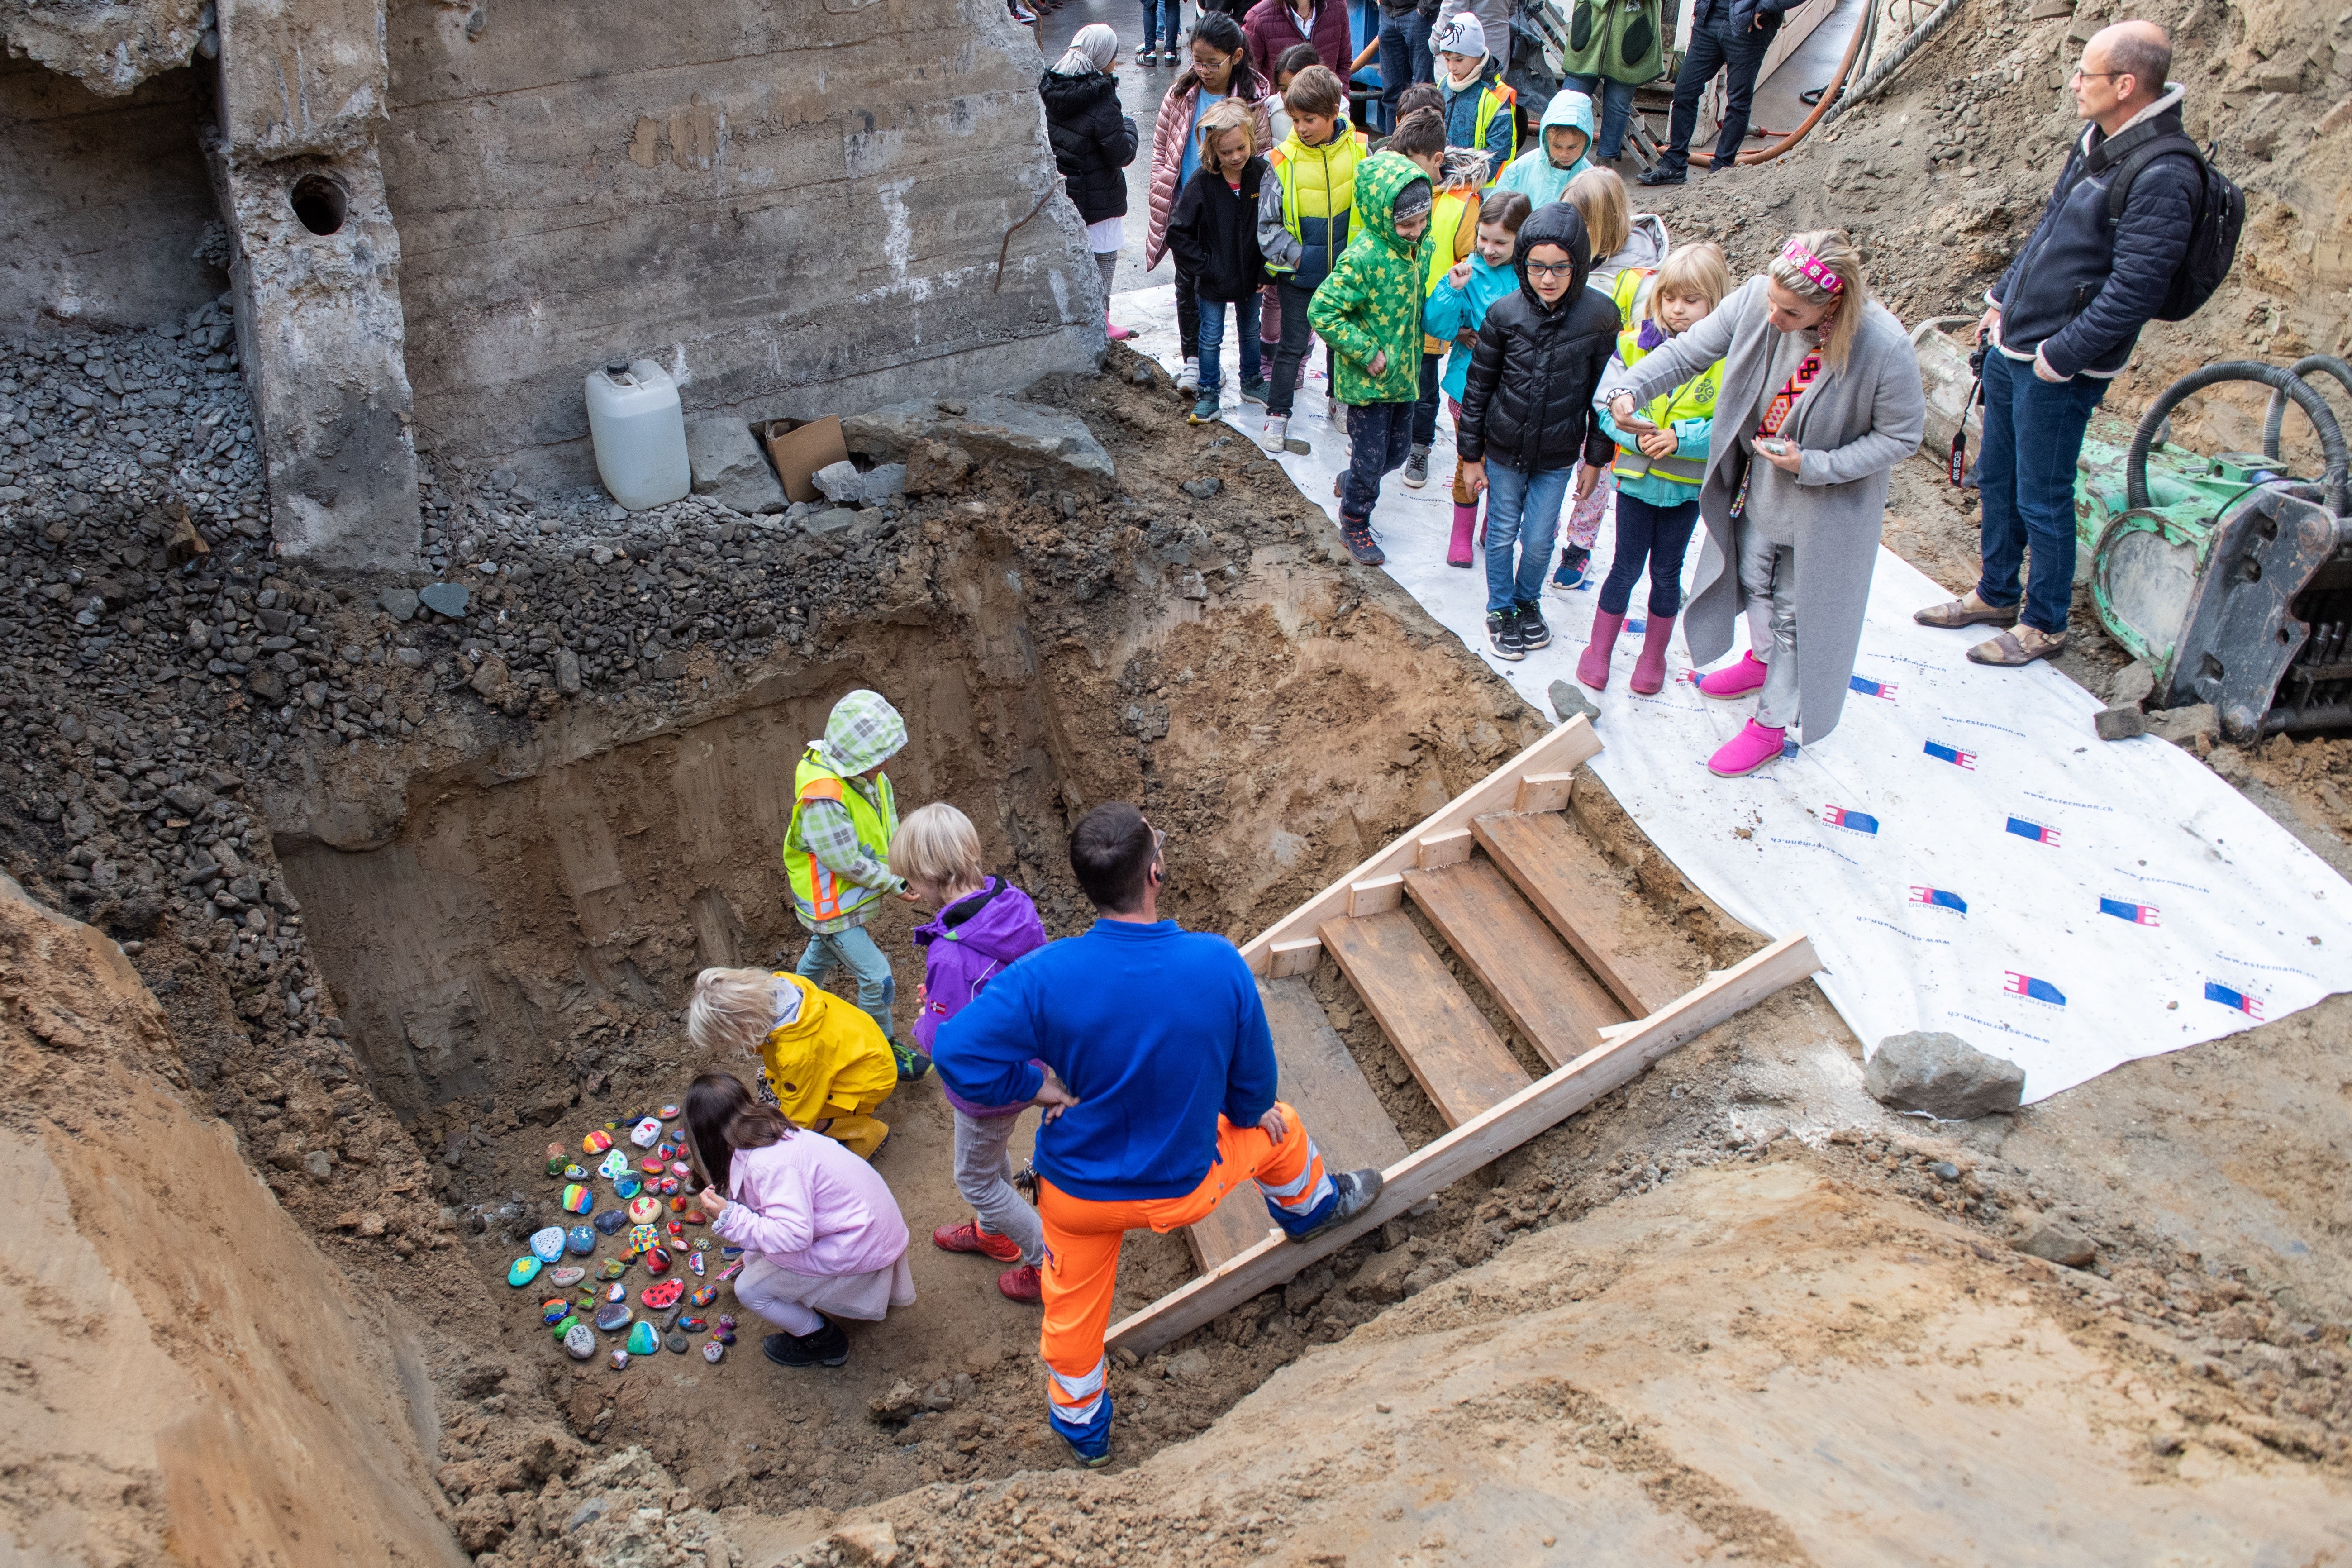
{"type": "Point", "coordinates": [1970, 611]}
{"type": "Point", "coordinates": [2021, 646]}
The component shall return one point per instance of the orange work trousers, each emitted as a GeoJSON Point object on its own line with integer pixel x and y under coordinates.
{"type": "Point", "coordinates": [1082, 1241]}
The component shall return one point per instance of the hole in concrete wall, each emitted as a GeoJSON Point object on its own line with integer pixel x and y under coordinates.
{"type": "Point", "coordinates": [321, 203]}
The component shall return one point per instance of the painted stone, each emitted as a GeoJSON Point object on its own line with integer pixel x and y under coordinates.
{"type": "Point", "coordinates": [580, 1340]}
{"type": "Point", "coordinates": [584, 1302]}
{"type": "Point", "coordinates": [615, 1126]}
{"type": "Point", "coordinates": [668, 1187]}
{"type": "Point", "coordinates": [568, 1276]}
{"type": "Point", "coordinates": [726, 1322]}
{"type": "Point", "coordinates": [666, 1151]}
{"type": "Point", "coordinates": [643, 1338]}
{"type": "Point", "coordinates": [696, 1215]}
{"type": "Point", "coordinates": [694, 1262]}
{"type": "Point", "coordinates": [611, 1222]}
{"type": "Point", "coordinates": [646, 1133]}
{"type": "Point", "coordinates": [546, 1245]}
{"type": "Point", "coordinates": [656, 1262]}
{"type": "Point", "coordinates": [723, 1337]}
{"type": "Point", "coordinates": [555, 1160]}
{"type": "Point", "coordinates": [612, 1270]}
{"type": "Point", "coordinates": [701, 1243]}
{"type": "Point", "coordinates": [615, 1166]}
{"type": "Point", "coordinates": [596, 1142]}
{"type": "Point", "coordinates": [554, 1310]}
{"type": "Point", "coordinates": [676, 1231]}
{"type": "Point", "coordinates": [680, 1169]}
{"type": "Point", "coordinates": [693, 1325]}
{"type": "Point", "coordinates": [620, 1361]}
{"type": "Point", "coordinates": [730, 1250]}
{"type": "Point", "coordinates": [644, 1238]}
{"type": "Point", "coordinates": [578, 1199]}
{"type": "Point", "coordinates": [617, 1291]}
{"type": "Point", "coordinates": [645, 1209]}
{"type": "Point", "coordinates": [522, 1271]}
{"type": "Point", "coordinates": [565, 1324]}
{"type": "Point", "coordinates": [652, 1165]}
{"type": "Point", "coordinates": [581, 1239]}
{"type": "Point", "coordinates": [714, 1352]}
{"type": "Point", "coordinates": [670, 1113]}
{"type": "Point", "coordinates": [731, 1270]}
{"type": "Point", "coordinates": [626, 1186]}
{"type": "Point", "coordinates": [702, 1296]}
{"type": "Point", "coordinates": [663, 1296]}
{"type": "Point", "coordinates": [613, 1317]}
{"type": "Point", "coordinates": [677, 1344]}
{"type": "Point", "coordinates": [575, 1172]}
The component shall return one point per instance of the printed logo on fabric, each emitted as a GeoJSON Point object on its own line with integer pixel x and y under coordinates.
{"type": "Point", "coordinates": [1952, 754]}
{"type": "Point", "coordinates": [2252, 1006]}
{"type": "Point", "coordinates": [1853, 821]}
{"type": "Point", "coordinates": [1868, 688]}
{"type": "Point", "coordinates": [1939, 899]}
{"type": "Point", "coordinates": [2032, 989]}
{"type": "Point", "coordinates": [2033, 830]}
{"type": "Point", "coordinates": [2138, 914]}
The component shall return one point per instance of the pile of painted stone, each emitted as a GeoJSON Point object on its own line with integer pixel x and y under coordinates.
{"type": "Point", "coordinates": [652, 1211]}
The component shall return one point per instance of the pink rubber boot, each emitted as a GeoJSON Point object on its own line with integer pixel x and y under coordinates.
{"type": "Point", "coordinates": [1649, 664]}
{"type": "Point", "coordinates": [1465, 518]}
{"type": "Point", "coordinates": [1746, 751]}
{"type": "Point", "coordinates": [1117, 333]}
{"type": "Point", "coordinates": [1738, 680]}
{"type": "Point", "coordinates": [1594, 668]}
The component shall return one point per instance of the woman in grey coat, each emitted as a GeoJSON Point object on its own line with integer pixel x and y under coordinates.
{"type": "Point", "coordinates": [1820, 398]}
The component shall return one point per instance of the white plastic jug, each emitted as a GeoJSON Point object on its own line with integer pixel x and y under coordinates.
{"type": "Point", "coordinates": [638, 429]}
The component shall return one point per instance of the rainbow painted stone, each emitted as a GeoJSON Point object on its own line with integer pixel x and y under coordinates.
{"type": "Point", "coordinates": [547, 1245]}
{"type": "Point", "coordinates": [575, 1173]}
{"type": "Point", "coordinates": [702, 1296]}
{"type": "Point", "coordinates": [596, 1142]}
{"type": "Point", "coordinates": [522, 1271]}
{"type": "Point", "coordinates": [644, 1338]}
{"type": "Point", "coordinates": [656, 1262]}
{"type": "Point", "coordinates": [568, 1276]}
{"type": "Point", "coordinates": [613, 1317]}
{"type": "Point", "coordinates": [646, 1133]}
{"type": "Point", "coordinates": [578, 1199]}
{"type": "Point", "coordinates": [620, 1361]}
{"type": "Point", "coordinates": [581, 1239]}
{"type": "Point", "coordinates": [615, 1166]}
{"type": "Point", "coordinates": [645, 1209]}
{"type": "Point", "coordinates": [579, 1341]}
{"type": "Point", "coordinates": [662, 1297]}
{"type": "Point", "coordinates": [713, 1352]}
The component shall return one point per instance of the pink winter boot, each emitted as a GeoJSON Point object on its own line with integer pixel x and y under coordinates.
{"type": "Point", "coordinates": [1594, 668]}
{"type": "Point", "coordinates": [1117, 333]}
{"type": "Point", "coordinates": [1458, 551]}
{"type": "Point", "coordinates": [1746, 751]}
{"type": "Point", "coordinates": [1737, 680]}
{"type": "Point", "coordinates": [1649, 664]}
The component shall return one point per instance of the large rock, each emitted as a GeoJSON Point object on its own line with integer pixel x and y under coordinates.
{"type": "Point", "coordinates": [727, 466]}
{"type": "Point", "coordinates": [1942, 1075]}
{"type": "Point", "coordinates": [2055, 1241]}
{"type": "Point", "coordinates": [993, 431]}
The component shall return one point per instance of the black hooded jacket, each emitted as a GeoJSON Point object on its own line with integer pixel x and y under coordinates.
{"type": "Point", "coordinates": [1093, 142]}
{"type": "Point", "coordinates": [1529, 398]}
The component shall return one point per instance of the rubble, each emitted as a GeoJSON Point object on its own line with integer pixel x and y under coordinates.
{"type": "Point", "coordinates": [1942, 1076]}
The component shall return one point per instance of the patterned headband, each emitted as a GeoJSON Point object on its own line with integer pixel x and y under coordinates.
{"type": "Point", "coordinates": [1817, 271]}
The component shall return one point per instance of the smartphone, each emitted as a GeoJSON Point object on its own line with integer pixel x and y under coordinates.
{"type": "Point", "coordinates": [1773, 445]}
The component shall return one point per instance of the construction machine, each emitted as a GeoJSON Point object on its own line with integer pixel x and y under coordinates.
{"type": "Point", "coordinates": [2228, 575]}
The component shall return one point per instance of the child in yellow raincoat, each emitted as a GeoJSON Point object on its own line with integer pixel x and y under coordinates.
{"type": "Point", "coordinates": [827, 1061]}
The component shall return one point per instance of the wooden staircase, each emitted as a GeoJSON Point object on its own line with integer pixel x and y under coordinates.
{"type": "Point", "coordinates": [1534, 913]}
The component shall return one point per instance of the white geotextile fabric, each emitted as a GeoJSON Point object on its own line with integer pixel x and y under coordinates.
{"type": "Point", "coordinates": [1964, 852]}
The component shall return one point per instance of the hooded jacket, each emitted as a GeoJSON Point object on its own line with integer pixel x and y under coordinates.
{"type": "Point", "coordinates": [1484, 96]}
{"type": "Point", "coordinates": [1170, 131]}
{"type": "Point", "coordinates": [828, 1059]}
{"type": "Point", "coordinates": [1617, 39]}
{"type": "Point", "coordinates": [1533, 174]}
{"type": "Point", "coordinates": [1646, 246]}
{"type": "Point", "coordinates": [1371, 302]}
{"type": "Point", "coordinates": [2083, 287]}
{"type": "Point", "coordinates": [1214, 233]}
{"type": "Point", "coordinates": [1452, 312]}
{"type": "Point", "coordinates": [1527, 400]}
{"type": "Point", "coordinates": [1092, 140]}
{"type": "Point", "coordinates": [835, 870]}
{"type": "Point", "coordinates": [965, 946]}
{"type": "Point", "coordinates": [1307, 201]}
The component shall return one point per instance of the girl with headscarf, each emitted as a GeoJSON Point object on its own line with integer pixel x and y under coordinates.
{"type": "Point", "coordinates": [1093, 144]}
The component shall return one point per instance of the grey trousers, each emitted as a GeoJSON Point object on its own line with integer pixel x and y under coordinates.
{"type": "Point", "coordinates": [1768, 579]}
{"type": "Point", "coordinates": [1108, 261]}
{"type": "Point", "coordinates": [983, 1174]}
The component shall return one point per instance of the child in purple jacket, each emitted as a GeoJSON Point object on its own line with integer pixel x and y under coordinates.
{"type": "Point", "coordinates": [983, 923]}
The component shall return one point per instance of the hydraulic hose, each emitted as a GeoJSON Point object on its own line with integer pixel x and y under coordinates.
{"type": "Point", "coordinates": [1869, 85]}
{"type": "Point", "coordinates": [2283, 382]}
{"type": "Point", "coordinates": [2276, 415]}
{"type": "Point", "coordinates": [1829, 97]}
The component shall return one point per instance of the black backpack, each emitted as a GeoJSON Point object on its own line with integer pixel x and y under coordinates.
{"type": "Point", "coordinates": [2212, 242]}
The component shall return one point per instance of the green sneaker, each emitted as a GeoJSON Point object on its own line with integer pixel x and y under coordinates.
{"type": "Point", "coordinates": [1204, 412]}
{"type": "Point", "coordinates": [912, 1064]}
{"type": "Point", "coordinates": [1254, 390]}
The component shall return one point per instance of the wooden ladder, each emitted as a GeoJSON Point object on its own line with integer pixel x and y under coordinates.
{"type": "Point", "coordinates": [1533, 911]}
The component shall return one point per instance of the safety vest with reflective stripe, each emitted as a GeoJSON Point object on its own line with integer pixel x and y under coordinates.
{"type": "Point", "coordinates": [1497, 99]}
{"type": "Point", "coordinates": [1319, 195]}
{"type": "Point", "coordinates": [1453, 223]}
{"type": "Point", "coordinates": [1693, 399]}
{"type": "Point", "coordinates": [817, 893]}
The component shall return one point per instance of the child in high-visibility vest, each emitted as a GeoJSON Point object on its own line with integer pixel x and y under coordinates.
{"type": "Point", "coordinates": [1660, 463]}
{"type": "Point", "coordinates": [1303, 226]}
{"type": "Point", "coordinates": [827, 1064]}
{"type": "Point", "coordinates": [1481, 110]}
{"type": "Point", "coordinates": [1456, 174]}
{"type": "Point", "coordinates": [1458, 301]}
{"type": "Point", "coordinates": [836, 849]}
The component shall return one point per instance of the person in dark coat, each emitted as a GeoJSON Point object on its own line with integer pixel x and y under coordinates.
{"type": "Point", "coordinates": [1728, 36]}
{"type": "Point", "coordinates": [1213, 234]}
{"type": "Point", "coordinates": [1527, 405]}
{"type": "Point", "coordinates": [1274, 25]}
{"type": "Point", "coordinates": [1093, 144]}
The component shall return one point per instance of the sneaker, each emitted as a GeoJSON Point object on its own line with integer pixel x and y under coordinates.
{"type": "Point", "coordinates": [1255, 391]}
{"type": "Point", "coordinates": [827, 1347]}
{"type": "Point", "coordinates": [1503, 631]}
{"type": "Point", "coordinates": [1188, 380]}
{"type": "Point", "coordinates": [1275, 436]}
{"type": "Point", "coordinates": [1023, 1284]}
{"type": "Point", "coordinates": [1207, 411]}
{"type": "Point", "coordinates": [1355, 1190]}
{"type": "Point", "coordinates": [912, 1063]}
{"type": "Point", "coordinates": [1661, 176]}
{"type": "Point", "coordinates": [1416, 467]}
{"type": "Point", "coordinates": [1568, 575]}
{"type": "Point", "coordinates": [1533, 633]}
{"type": "Point", "coordinates": [1358, 539]}
{"type": "Point", "coordinates": [969, 1238]}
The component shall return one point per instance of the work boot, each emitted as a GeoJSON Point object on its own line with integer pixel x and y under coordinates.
{"type": "Point", "coordinates": [1416, 467]}
{"type": "Point", "coordinates": [1276, 433]}
{"type": "Point", "coordinates": [1023, 1284]}
{"type": "Point", "coordinates": [1207, 411]}
{"type": "Point", "coordinates": [1188, 380]}
{"type": "Point", "coordinates": [1353, 1192]}
{"type": "Point", "coordinates": [969, 1238]}
{"type": "Point", "coordinates": [1457, 549]}
{"type": "Point", "coordinates": [1659, 174]}
{"type": "Point", "coordinates": [1594, 668]}
{"type": "Point", "coordinates": [1503, 631]}
{"type": "Point", "coordinates": [1748, 751]}
{"type": "Point", "coordinates": [1568, 575]}
{"type": "Point", "coordinates": [827, 1347]}
{"type": "Point", "coordinates": [1095, 1456]}
{"type": "Point", "coordinates": [1358, 536]}
{"type": "Point", "coordinates": [1649, 664]}
{"type": "Point", "coordinates": [1736, 681]}
{"type": "Point", "coordinates": [1533, 633]}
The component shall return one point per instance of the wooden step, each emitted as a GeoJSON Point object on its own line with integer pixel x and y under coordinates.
{"type": "Point", "coordinates": [1462, 1065]}
{"type": "Point", "coordinates": [1552, 997]}
{"type": "Point", "coordinates": [1322, 1082]}
{"type": "Point", "coordinates": [1573, 885]}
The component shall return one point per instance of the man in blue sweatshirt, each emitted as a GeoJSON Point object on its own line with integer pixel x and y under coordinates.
{"type": "Point", "coordinates": [1149, 1047]}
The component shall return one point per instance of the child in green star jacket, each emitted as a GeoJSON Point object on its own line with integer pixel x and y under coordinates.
{"type": "Point", "coordinates": [1369, 310]}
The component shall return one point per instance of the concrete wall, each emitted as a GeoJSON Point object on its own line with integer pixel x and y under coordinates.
{"type": "Point", "coordinates": [106, 199]}
{"type": "Point", "coordinates": [796, 206]}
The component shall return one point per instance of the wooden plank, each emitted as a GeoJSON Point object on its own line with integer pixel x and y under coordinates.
{"type": "Point", "coordinates": [1431, 1020]}
{"type": "Point", "coordinates": [1321, 1082]}
{"type": "Point", "coordinates": [1549, 994]}
{"type": "Point", "coordinates": [1571, 884]}
{"type": "Point", "coordinates": [1559, 750]}
{"type": "Point", "coordinates": [1448, 848]}
{"type": "Point", "coordinates": [1543, 791]}
{"type": "Point", "coordinates": [1375, 896]}
{"type": "Point", "coordinates": [1288, 958]}
{"type": "Point", "coordinates": [1435, 1166]}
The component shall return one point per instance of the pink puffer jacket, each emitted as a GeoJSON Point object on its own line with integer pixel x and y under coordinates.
{"type": "Point", "coordinates": [1168, 135]}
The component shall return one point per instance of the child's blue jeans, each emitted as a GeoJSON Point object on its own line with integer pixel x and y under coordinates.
{"type": "Point", "coordinates": [1521, 510]}
{"type": "Point", "coordinates": [1616, 101]}
{"type": "Point", "coordinates": [1162, 20]}
{"type": "Point", "coordinates": [1653, 536]}
{"type": "Point", "coordinates": [851, 947]}
{"type": "Point", "coordinates": [1212, 340]}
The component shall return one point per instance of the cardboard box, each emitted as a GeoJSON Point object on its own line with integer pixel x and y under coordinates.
{"type": "Point", "coordinates": [799, 447]}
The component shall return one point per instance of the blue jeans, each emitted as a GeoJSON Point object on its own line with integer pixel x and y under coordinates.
{"type": "Point", "coordinates": [1404, 54]}
{"type": "Point", "coordinates": [1212, 340]}
{"type": "Point", "coordinates": [1162, 20]}
{"type": "Point", "coordinates": [1521, 510]}
{"type": "Point", "coordinates": [1616, 101]}
{"type": "Point", "coordinates": [2032, 434]}
{"type": "Point", "coordinates": [877, 988]}
{"type": "Point", "coordinates": [1380, 437]}
{"type": "Point", "coordinates": [1652, 535]}
{"type": "Point", "coordinates": [1714, 47]}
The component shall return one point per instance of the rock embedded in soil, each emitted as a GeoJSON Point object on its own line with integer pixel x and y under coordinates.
{"type": "Point", "coordinates": [726, 466]}
{"type": "Point", "coordinates": [1942, 1076]}
{"type": "Point", "coordinates": [2055, 1241]}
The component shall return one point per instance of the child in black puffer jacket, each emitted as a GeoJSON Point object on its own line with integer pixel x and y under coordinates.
{"type": "Point", "coordinates": [1528, 404]}
{"type": "Point", "coordinates": [1212, 234]}
{"type": "Point", "coordinates": [1093, 144]}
